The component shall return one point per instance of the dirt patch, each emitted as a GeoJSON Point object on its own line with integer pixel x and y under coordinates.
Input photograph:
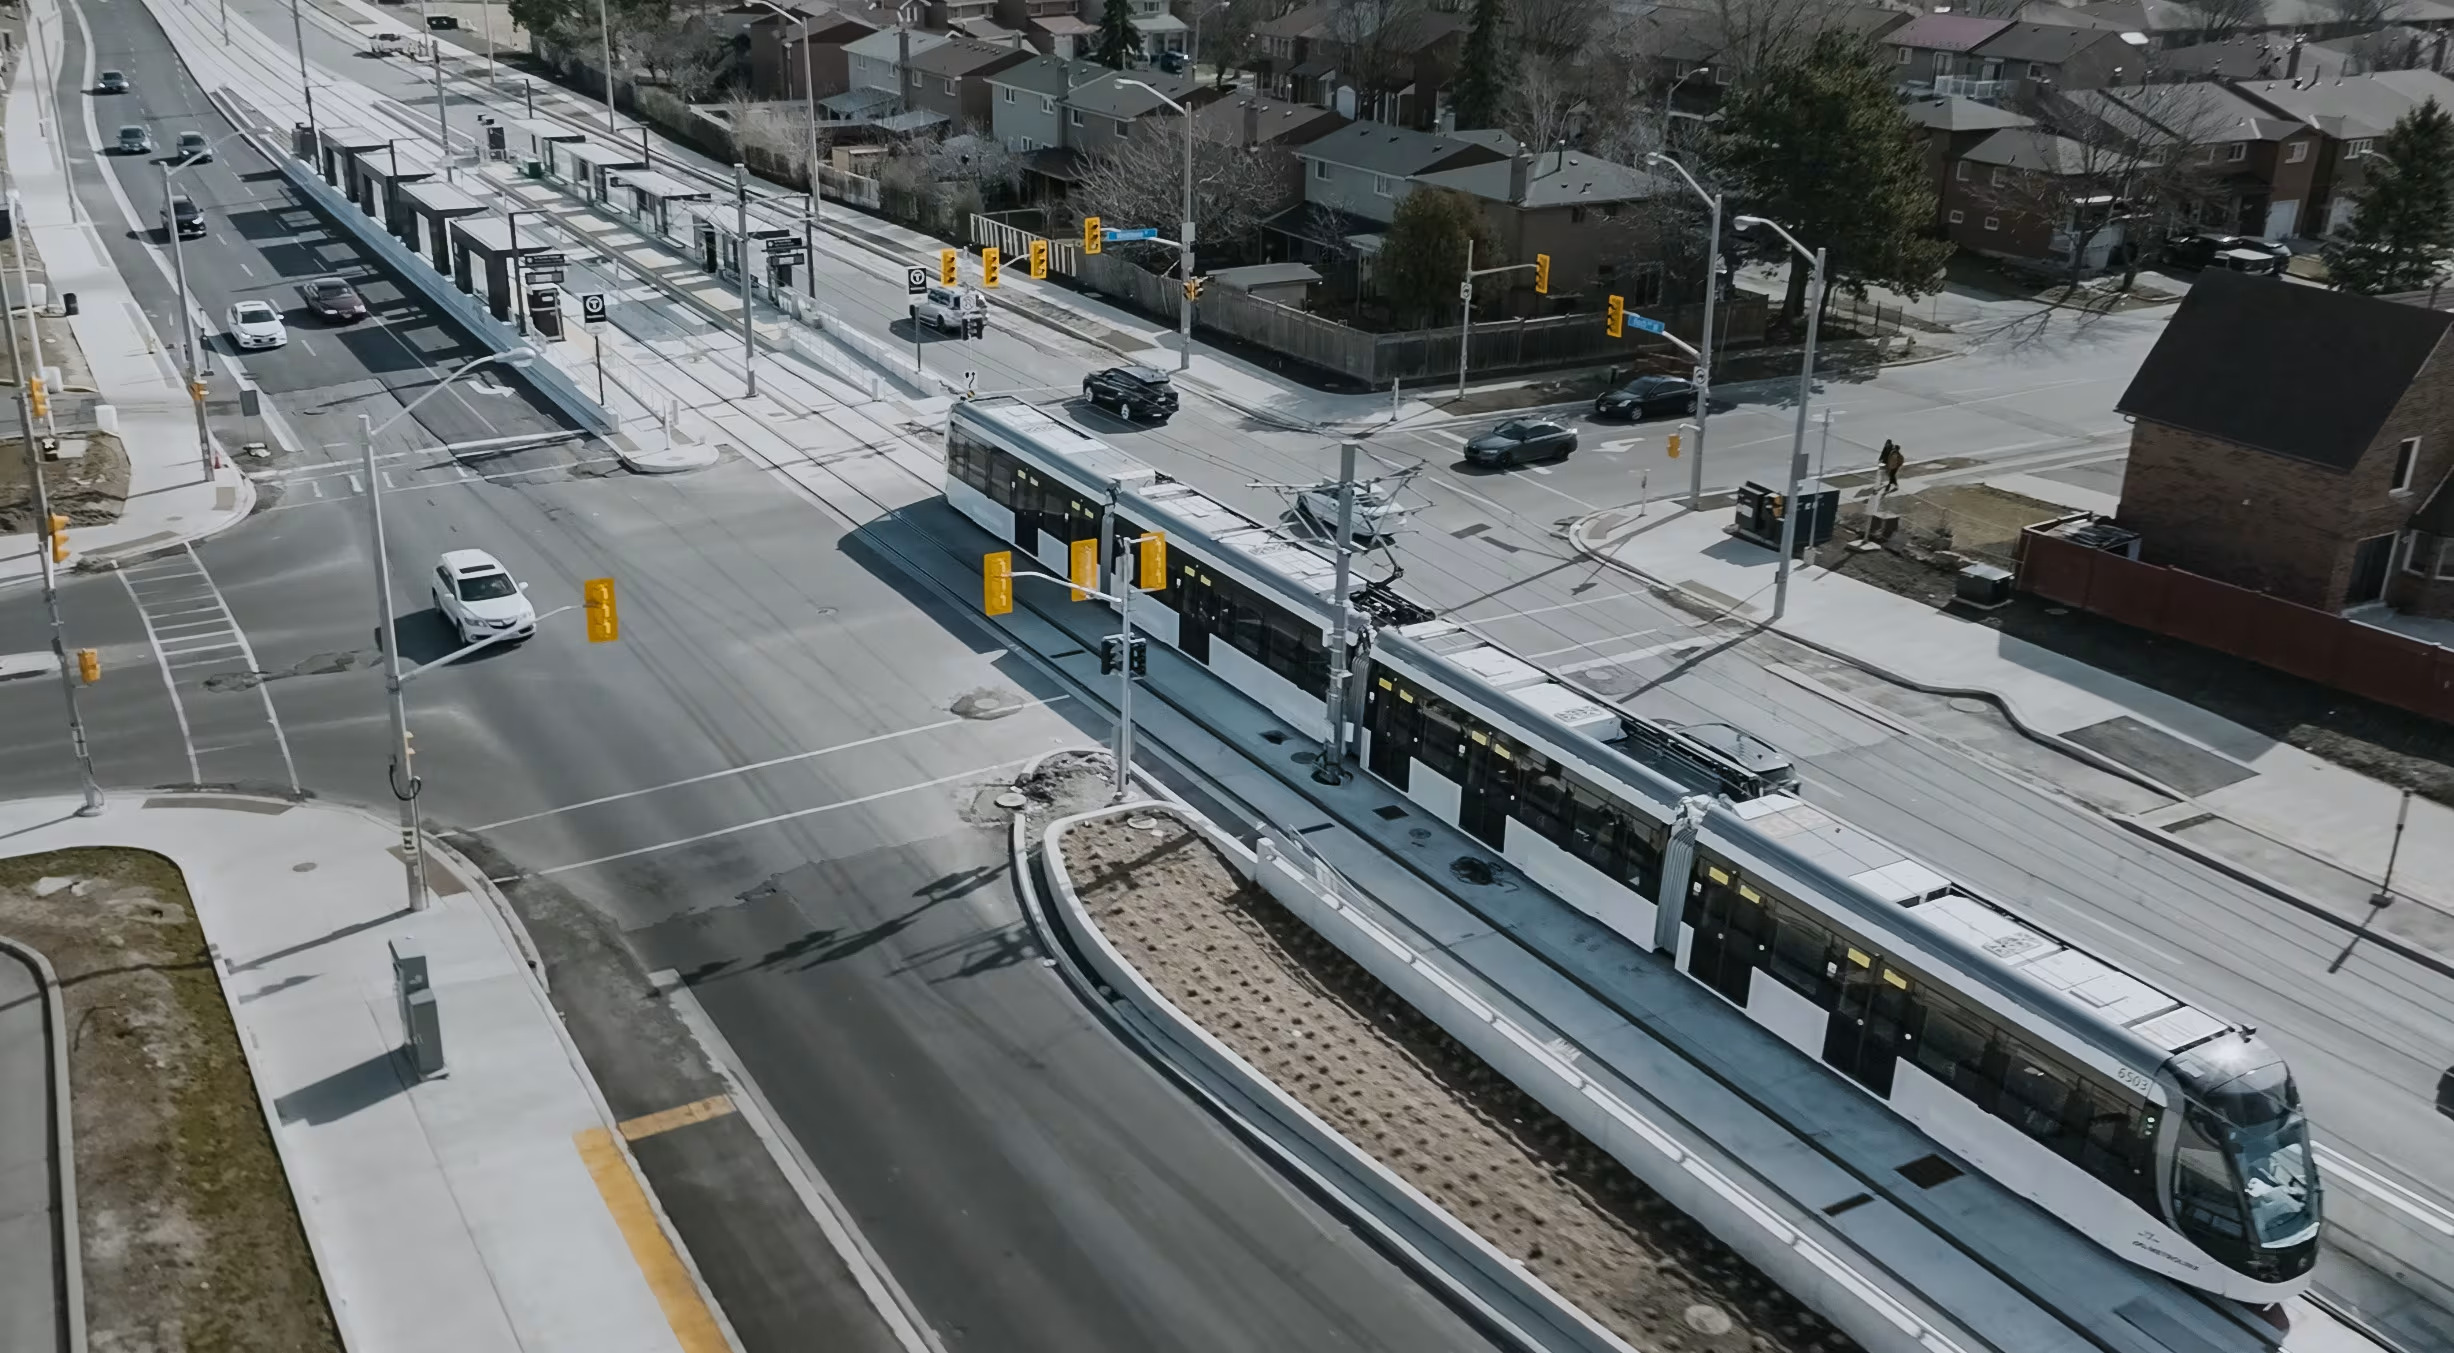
{"type": "Point", "coordinates": [1393, 1083]}
{"type": "Point", "coordinates": [90, 490]}
{"type": "Point", "coordinates": [191, 1239]}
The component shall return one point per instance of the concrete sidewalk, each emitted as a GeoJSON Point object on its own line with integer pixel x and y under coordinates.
{"type": "Point", "coordinates": [171, 496]}
{"type": "Point", "coordinates": [2245, 803]}
{"type": "Point", "coordinates": [492, 1208]}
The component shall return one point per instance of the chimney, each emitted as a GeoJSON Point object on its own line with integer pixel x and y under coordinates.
{"type": "Point", "coordinates": [1252, 122]}
{"type": "Point", "coordinates": [2436, 60]}
{"type": "Point", "coordinates": [1519, 170]}
{"type": "Point", "coordinates": [2292, 62]}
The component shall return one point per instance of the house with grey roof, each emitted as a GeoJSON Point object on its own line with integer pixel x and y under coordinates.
{"type": "Point", "coordinates": [1027, 101]}
{"type": "Point", "coordinates": [2027, 59]}
{"type": "Point", "coordinates": [952, 78]}
{"type": "Point", "coordinates": [876, 62]}
{"type": "Point", "coordinates": [1932, 51]}
{"type": "Point", "coordinates": [2348, 114]}
{"type": "Point", "coordinates": [1367, 168]}
{"type": "Point", "coordinates": [2256, 161]}
{"type": "Point", "coordinates": [1100, 113]}
{"type": "Point", "coordinates": [1578, 209]}
{"type": "Point", "coordinates": [1951, 127]}
{"type": "Point", "coordinates": [2028, 195]}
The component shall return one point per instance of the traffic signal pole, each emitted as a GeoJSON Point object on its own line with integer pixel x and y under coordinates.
{"type": "Point", "coordinates": [43, 548]}
{"type": "Point", "coordinates": [1465, 297]}
{"type": "Point", "coordinates": [387, 634]}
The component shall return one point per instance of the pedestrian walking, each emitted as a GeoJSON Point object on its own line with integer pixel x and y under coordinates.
{"type": "Point", "coordinates": [1891, 460]}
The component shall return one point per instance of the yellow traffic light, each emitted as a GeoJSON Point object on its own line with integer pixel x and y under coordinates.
{"type": "Point", "coordinates": [197, 390]}
{"type": "Point", "coordinates": [58, 535]}
{"type": "Point", "coordinates": [1084, 571]}
{"type": "Point", "coordinates": [38, 397]}
{"type": "Point", "coordinates": [997, 582]}
{"type": "Point", "coordinates": [89, 665]}
{"type": "Point", "coordinates": [1542, 274]}
{"type": "Point", "coordinates": [1615, 320]}
{"type": "Point", "coordinates": [988, 267]}
{"type": "Point", "coordinates": [1154, 562]}
{"type": "Point", "coordinates": [946, 265]}
{"type": "Point", "coordinates": [1039, 258]}
{"type": "Point", "coordinates": [1192, 288]}
{"type": "Point", "coordinates": [1674, 446]}
{"type": "Point", "coordinates": [1090, 234]}
{"type": "Point", "coordinates": [604, 619]}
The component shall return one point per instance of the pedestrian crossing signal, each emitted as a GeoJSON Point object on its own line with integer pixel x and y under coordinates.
{"type": "Point", "coordinates": [988, 267]}
{"type": "Point", "coordinates": [997, 583]}
{"type": "Point", "coordinates": [946, 265]}
{"type": "Point", "coordinates": [1090, 234]}
{"type": "Point", "coordinates": [1674, 446]}
{"type": "Point", "coordinates": [1614, 321]}
{"type": "Point", "coordinates": [1039, 258]}
{"type": "Point", "coordinates": [38, 397]}
{"type": "Point", "coordinates": [1108, 661]}
{"type": "Point", "coordinates": [1542, 274]}
{"type": "Point", "coordinates": [1154, 562]}
{"type": "Point", "coordinates": [604, 620]}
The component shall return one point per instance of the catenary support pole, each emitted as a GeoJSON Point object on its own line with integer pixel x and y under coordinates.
{"type": "Point", "coordinates": [1330, 767]}
{"type": "Point", "coordinates": [1704, 363]}
{"type": "Point", "coordinates": [1797, 445]}
{"type": "Point", "coordinates": [1465, 319]}
{"type": "Point", "coordinates": [741, 259]}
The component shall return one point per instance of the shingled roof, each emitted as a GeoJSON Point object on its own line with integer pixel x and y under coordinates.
{"type": "Point", "coordinates": [2296, 371]}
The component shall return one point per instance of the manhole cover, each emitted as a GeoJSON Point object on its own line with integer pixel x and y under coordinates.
{"type": "Point", "coordinates": [1011, 800]}
{"type": "Point", "coordinates": [985, 703]}
{"type": "Point", "coordinates": [1142, 824]}
{"type": "Point", "coordinates": [1969, 704]}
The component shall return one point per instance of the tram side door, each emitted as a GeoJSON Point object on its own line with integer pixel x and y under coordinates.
{"type": "Point", "coordinates": [1027, 494]}
{"type": "Point", "coordinates": [1194, 600]}
{"type": "Point", "coordinates": [1731, 936]}
{"type": "Point", "coordinates": [1864, 1037]}
{"type": "Point", "coordinates": [1490, 791]}
{"type": "Point", "coordinates": [1397, 722]}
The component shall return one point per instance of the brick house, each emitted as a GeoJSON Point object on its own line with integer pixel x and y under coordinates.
{"type": "Point", "coordinates": [2299, 442]}
{"type": "Point", "coordinates": [2259, 163]}
{"type": "Point", "coordinates": [1265, 125]}
{"type": "Point", "coordinates": [952, 78]}
{"type": "Point", "coordinates": [776, 64]}
{"type": "Point", "coordinates": [1952, 127]}
{"type": "Point", "coordinates": [2015, 192]}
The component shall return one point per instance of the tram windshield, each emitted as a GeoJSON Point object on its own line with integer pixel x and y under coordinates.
{"type": "Point", "coordinates": [2245, 1109]}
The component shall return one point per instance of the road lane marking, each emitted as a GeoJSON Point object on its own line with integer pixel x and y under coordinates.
{"type": "Point", "coordinates": [767, 764]}
{"type": "Point", "coordinates": [1545, 610]}
{"type": "Point", "coordinates": [1590, 644]}
{"type": "Point", "coordinates": [650, 1124]}
{"type": "Point", "coordinates": [753, 825]}
{"type": "Point", "coordinates": [248, 653]}
{"type": "Point", "coordinates": [194, 775]}
{"type": "Point", "coordinates": [694, 1325]}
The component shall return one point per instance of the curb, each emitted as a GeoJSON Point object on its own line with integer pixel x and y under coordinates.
{"type": "Point", "coordinates": [1266, 1134]}
{"type": "Point", "coordinates": [64, 1142]}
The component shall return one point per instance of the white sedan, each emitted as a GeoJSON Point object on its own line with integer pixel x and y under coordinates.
{"type": "Point", "coordinates": [479, 598]}
{"type": "Point", "coordinates": [253, 324]}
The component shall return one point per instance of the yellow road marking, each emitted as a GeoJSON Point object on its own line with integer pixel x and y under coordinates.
{"type": "Point", "coordinates": [649, 1124]}
{"type": "Point", "coordinates": [694, 1326]}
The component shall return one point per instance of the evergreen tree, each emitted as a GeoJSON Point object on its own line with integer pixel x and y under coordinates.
{"type": "Point", "coordinates": [1482, 80]}
{"type": "Point", "coordinates": [1117, 42]}
{"type": "Point", "coordinates": [1816, 142]}
{"type": "Point", "coordinates": [1423, 252]}
{"type": "Point", "coordinates": [2403, 220]}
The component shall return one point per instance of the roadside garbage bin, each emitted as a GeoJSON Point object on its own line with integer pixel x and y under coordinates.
{"type": "Point", "coordinates": [68, 302]}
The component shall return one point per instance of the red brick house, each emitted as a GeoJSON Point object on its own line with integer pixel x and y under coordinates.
{"type": "Point", "coordinates": [2299, 442]}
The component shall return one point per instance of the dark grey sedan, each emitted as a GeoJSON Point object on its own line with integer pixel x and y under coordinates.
{"type": "Point", "coordinates": [1648, 397]}
{"type": "Point", "coordinates": [1520, 440]}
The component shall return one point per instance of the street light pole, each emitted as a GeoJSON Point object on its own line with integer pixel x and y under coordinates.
{"type": "Point", "coordinates": [604, 23]}
{"type": "Point", "coordinates": [306, 87]}
{"type": "Point", "coordinates": [1184, 241]}
{"type": "Point", "coordinates": [25, 288]}
{"type": "Point", "coordinates": [1806, 388]}
{"type": "Point", "coordinates": [50, 574]}
{"type": "Point", "coordinates": [741, 259]}
{"type": "Point", "coordinates": [1465, 297]}
{"type": "Point", "coordinates": [187, 321]}
{"type": "Point", "coordinates": [434, 57]}
{"type": "Point", "coordinates": [1712, 292]}
{"type": "Point", "coordinates": [809, 90]}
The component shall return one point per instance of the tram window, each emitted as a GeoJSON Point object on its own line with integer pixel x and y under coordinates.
{"type": "Point", "coordinates": [1799, 949]}
{"type": "Point", "coordinates": [1951, 1048]}
{"type": "Point", "coordinates": [2205, 1199]}
{"type": "Point", "coordinates": [968, 458]}
{"type": "Point", "coordinates": [1640, 861]}
{"type": "Point", "coordinates": [1544, 804]}
{"type": "Point", "coordinates": [2105, 1149]}
{"type": "Point", "coordinates": [1442, 747]}
{"type": "Point", "coordinates": [2035, 1093]}
{"type": "Point", "coordinates": [1594, 831]}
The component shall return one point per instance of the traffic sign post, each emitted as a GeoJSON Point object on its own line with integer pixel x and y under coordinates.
{"type": "Point", "coordinates": [1117, 233]}
{"type": "Point", "coordinates": [592, 308]}
{"type": "Point", "coordinates": [915, 281]}
{"type": "Point", "coordinates": [1651, 326]}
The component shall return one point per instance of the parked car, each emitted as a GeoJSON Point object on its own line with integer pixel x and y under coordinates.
{"type": "Point", "coordinates": [194, 148]}
{"type": "Point", "coordinates": [182, 218]}
{"type": "Point", "coordinates": [134, 140]}
{"type": "Point", "coordinates": [478, 597]}
{"type": "Point", "coordinates": [1134, 393]}
{"type": "Point", "coordinates": [2234, 253]}
{"type": "Point", "coordinates": [1648, 396]}
{"type": "Point", "coordinates": [441, 21]}
{"type": "Point", "coordinates": [112, 82]}
{"type": "Point", "coordinates": [1520, 440]}
{"type": "Point", "coordinates": [1175, 63]}
{"type": "Point", "coordinates": [253, 324]}
{"type": "Point", "coordinates": [333, 299]}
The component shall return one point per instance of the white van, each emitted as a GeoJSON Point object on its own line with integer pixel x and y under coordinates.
{"type": "Point", "coordinates": [944, 308]}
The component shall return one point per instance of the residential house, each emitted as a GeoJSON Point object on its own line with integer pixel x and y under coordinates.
{"type": "Point", "coordinates": [2349, 114]}
{"type": "Point", "coordinates": [952, 78]}
{"type": "Point", "coordinates": [2258, 163]}
{"type": "Point", "coordinates": [2250, 56]}
{"type": "Point", "coordinates": [1101, 112]}
{"type": "Point", "coordinates": [1027, 101]}
{"type": "Point", "coordinates": [777, 64]}
{"type": "Point", "coordinates": [1364, 169]}
{"type": "Point", "coordinates": [2171, 23]}
{"type": "Point", "coordinates": [1933, 51]}
{"type": "Point", "coordinates": [957, 16]}
{"type": "Point", "coordinates": [1397, 74]}
{"type": "Point", "coordinates": [2029, 59]}
{"type": "Point", "coordinates": [1580, 210]}
{"type": "Point", "coordinates": [1952, 127]}
{"type": "Point", "coordinates": [1288, 67]}
{"type": "Point", "coordinates": [874, 64]}
{"type": "Point", "coordinates": [2237, 473]}
{"type": "Point", "coordinates": [1259, 122]}
{"type": "Point", "coordinates": [1055, 27]}
{"type": "Point", "coordinates": [1159, 30]}
{"type": "Point", "coordinates": [2027, 195]}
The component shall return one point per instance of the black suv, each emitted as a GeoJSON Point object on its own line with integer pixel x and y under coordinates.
{"type": "Point", "coordinates": [1137, 394]}
{"type": "Point", "coordinates": [189, 221]}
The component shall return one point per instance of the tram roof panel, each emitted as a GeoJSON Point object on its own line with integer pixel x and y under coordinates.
{"type": "Point", "coordinates": [1568, 708]}
{"type": "Point", "coordinates": [2180, 1029]}
{"type": "Point", "coordinates": [2087, 979]}
{"type": "Point", "coordinates": [1499, 667]}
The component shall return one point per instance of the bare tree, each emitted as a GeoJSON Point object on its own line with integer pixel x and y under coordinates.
{"type": "Point", "coordinates": [1759, 34]}
{"type": "Point", "coordinates": [1376, 42]}
{"type": "Point", "coordinates": [1235, 188]}
{"type": "Point", "coordinates": [2133, 157]}
{"type": "Point", "coordinates": [1542, 102]}
{"type": "Point", "coordinates": [2227, 17]}
{"type": "Point", "coordinates": [2366, 16]}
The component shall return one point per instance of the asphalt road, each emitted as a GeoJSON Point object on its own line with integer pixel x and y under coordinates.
{"type": "Point", "coordinates": [768, 783]}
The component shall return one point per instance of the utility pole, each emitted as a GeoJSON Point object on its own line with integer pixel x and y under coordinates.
{"type": "Point", "coordinates": [400, 774]}
{"type": "Point", "coordinates": [1797, 446]}
{"type": "Point", "coordinates": [1330, 767]}
{"type": "Point", "coordinates": [604, 24]}
{"type": "Point", "coordinates": [741, 230]}
{"type": "Point", "coordinates": [25, 288]}
{"type": "Point", "coordinates": [187, 323]}
{"type": "Point", "coordinates": [50, 572]}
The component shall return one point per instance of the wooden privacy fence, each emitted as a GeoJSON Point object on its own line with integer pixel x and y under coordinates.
{"type": "Point", "coordinates": [1372, 358]}
{"type": "Point", "coordinates": [2301, 640]}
